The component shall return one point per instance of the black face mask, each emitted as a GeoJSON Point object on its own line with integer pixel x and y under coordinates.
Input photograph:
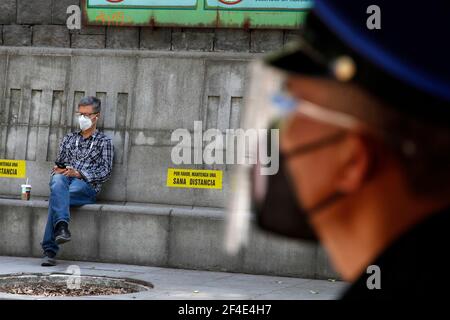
{"type": "Point", "coordinates": [276, 206]}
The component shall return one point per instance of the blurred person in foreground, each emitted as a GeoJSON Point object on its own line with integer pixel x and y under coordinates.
{"type": "Point", "coordinates": [365, 145]}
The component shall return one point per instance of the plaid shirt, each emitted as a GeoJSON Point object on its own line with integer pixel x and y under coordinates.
{"type": "Point", "coordinates": [91, 157]}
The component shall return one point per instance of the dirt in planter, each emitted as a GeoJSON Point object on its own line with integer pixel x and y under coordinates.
{"type": "Point", "coordinates": [55, 290]}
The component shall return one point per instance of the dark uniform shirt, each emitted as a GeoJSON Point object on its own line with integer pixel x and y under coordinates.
{"type": "Point", "coordinates": [414, 266]}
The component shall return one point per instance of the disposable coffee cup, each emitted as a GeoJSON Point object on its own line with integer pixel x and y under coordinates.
{"type": "Point", "coordinates": [26, 191]}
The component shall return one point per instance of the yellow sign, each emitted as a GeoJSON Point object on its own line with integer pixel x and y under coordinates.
{"type": "Point", "coordinates": [187, 178]}
{"type": "Point", "coordinates": [13, 168]}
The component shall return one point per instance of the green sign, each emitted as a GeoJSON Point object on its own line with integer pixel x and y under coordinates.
{"type": "Point", "coordinates": [283, 14]}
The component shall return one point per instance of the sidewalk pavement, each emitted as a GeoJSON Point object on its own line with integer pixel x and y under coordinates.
{"type": "Point", "coordinates": [173, 284]}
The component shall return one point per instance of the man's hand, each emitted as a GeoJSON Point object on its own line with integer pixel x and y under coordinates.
{"type": "Point", "coordinates": [58, 170]}
{"type": "Point", "coordinates": [71, 172]}
{"type": "Point", "coordinates": [68, 172]}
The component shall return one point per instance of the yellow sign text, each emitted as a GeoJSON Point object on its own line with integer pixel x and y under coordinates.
{"type": "Point", "coordinates": [12, 168]}
{"type": "Point", "coordinates": [188, 178]}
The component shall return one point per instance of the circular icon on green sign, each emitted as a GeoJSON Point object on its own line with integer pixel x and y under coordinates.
{"type": "Point", "coordinates": [230, 2]}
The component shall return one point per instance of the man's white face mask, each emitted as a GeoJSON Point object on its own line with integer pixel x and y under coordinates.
{"type": "Point", "coordinates": [85, 122]}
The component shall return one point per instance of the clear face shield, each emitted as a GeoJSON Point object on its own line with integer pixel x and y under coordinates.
{"type": "Point", "coordinates": [261, 190]}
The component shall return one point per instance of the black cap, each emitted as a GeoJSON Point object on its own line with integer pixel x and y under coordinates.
{"type": "Point", "coordinates": [331, 47]}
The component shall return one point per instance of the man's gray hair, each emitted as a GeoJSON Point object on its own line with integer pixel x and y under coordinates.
{"type": "Point", "coordinates": [91, 101]}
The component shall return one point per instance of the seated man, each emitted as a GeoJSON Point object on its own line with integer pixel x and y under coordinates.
{"type": "Point", "coordinates": [87, 156]}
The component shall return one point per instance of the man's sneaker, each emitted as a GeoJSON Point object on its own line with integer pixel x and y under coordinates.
{"type": "Point", "coordinates": [62, 233]}
{"type": "Point", "coordinates": [48, 260]}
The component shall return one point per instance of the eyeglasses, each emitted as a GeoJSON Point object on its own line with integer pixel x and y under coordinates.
{"type": "Point", "coordinates": [288, 105]}
{"type": "Point", "coordinates": [78, 114]}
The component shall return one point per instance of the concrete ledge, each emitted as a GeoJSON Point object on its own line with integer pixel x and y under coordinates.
{"type": "Point", "coordinates": [52, 51]}
{"type": "Point", "coordinates": [156, 235]}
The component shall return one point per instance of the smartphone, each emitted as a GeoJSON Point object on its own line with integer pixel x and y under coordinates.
{"type": "Point", "coordinates": [60, 165]}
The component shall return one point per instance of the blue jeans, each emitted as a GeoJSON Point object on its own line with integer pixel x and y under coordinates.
{"type": "Point", "coordinates": [64, 192]}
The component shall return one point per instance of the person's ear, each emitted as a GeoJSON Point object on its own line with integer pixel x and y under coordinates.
{"type": "Point", "coordinates": [355, 158]}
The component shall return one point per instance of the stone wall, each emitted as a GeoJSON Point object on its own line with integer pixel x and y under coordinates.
{"type": "Point", "coordinates": [43, 23]}
{"type": "Point", "coordinates": [156, 235]}
{"type": "Point", "coordinates": [189, 74]}
{"type": "Point", "coordinates": [146, 95]}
